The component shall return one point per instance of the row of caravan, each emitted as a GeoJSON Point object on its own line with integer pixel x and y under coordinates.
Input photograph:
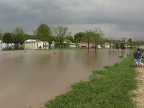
{"type": "Point", "coordinates": [32, 44]}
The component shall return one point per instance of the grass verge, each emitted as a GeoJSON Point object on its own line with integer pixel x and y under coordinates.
{"type": "Point", "coordinates": [110, 88]}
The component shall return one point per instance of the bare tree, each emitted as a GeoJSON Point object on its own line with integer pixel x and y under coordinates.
{"type": "Point", "coordinates": [97, 37]}
{"type": "Point", "coordinates": [61, 33]}
{"type": "Point", "coordinates": [88, 37]}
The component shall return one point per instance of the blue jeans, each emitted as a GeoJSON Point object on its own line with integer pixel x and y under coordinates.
{"type": "Point", "coordinates": [137, 62]}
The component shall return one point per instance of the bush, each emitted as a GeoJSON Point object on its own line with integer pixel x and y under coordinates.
{"type": "Point", "coordinates": [39, 47]}
{"type": "Point", "coordinates": [10, 48]}
{"type": "Point", "coordinates": [117, 45]}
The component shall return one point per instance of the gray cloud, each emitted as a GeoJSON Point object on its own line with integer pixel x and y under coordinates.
{"type": "Point", "coordinates": [125, 18]}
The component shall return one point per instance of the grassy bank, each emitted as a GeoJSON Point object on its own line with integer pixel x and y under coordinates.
{"type": "Point", "coordinates": [106, 89]}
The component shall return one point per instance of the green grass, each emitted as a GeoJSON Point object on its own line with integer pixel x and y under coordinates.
{"type": "Point", "coordinates": [121, 56]}
{"type": "Point", "coordinates": [109, 88]}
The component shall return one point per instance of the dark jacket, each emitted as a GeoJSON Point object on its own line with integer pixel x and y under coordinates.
{"type": "Point", "coordinates": [137, 55]}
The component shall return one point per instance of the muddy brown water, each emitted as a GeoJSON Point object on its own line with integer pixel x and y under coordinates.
{"type": "Point", "coordinates": [31, 78]}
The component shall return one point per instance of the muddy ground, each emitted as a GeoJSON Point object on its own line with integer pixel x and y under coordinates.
{"type": "Point", "coordinates": [139, 99]}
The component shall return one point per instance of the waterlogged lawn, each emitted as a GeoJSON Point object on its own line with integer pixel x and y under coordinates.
{"type": "Point", "coordinates": [106, 89]}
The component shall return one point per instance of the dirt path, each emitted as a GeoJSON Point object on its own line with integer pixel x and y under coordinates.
{"type": "Point", "coordinates": [139, 99]}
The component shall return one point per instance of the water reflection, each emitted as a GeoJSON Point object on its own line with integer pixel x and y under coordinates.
{"type": "Point", "coordinates": [32, 77]}
{"type": "Point", "coordinates": [122, 52]}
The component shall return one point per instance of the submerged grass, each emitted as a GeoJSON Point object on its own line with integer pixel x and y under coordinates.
{"type": "Point", "coordinates": [109, 90]}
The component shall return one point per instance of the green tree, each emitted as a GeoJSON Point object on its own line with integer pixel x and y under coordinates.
{"type": "Point", "coordinates": [43, 33]}
{"type": "Point", "coordinates": [18, 37]}
{"type": "Point", "coordinates": [88, 37]}
{"type": "Point", "coordinates": [70, 38]}
{"type": "Point", "coordinates": [130, 41]}
{"type": "Point", "coordinates": [78, 37]}
{"type": "Point", "coordinates": [97, 36]}
{"type": "Point", "coordinates": [61, 33]}
{"type": "Point", "coordinates": [77, 42]}
{"type": "Point", "coordinates": [7, 38]}
{"type": "Point", "coordinates": [133, 43]}
{"type": "Point", "coordinates": [1, 36]}
{"type": "Point", "coordinates": [122, 45]}
{"type": "Point", "coordinates": [34, 36]}
{"type": "Point", "coordinates": [117, 45]}
{"type": "Point", "coordinates": [56, 40]}
{"type": "Point", "coordinates": [27, 36]}
{"type": "Point", "coordinates": [107, 40]}
{"type": "Point", "coordinates": [52, 34]}
{"type": "Point", "coordinates": [137, 43]}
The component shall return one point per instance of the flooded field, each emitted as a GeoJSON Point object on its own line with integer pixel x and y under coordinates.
{"type": "Point", "coordinates": [30, 78]}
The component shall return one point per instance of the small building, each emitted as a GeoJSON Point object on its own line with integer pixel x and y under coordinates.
{"type": "Point", "coordinates": [32, 44]}
{"type": "Point", "coordinates": [74, 45]}
{"type": "Point", "coordinates": [106, 45]}
{"type": "Point", "coordinates": [4, 45]}
{"type": "Point", "coordinates": [84, 44]}
{"type": "Point", "coordinates": [98, 46]}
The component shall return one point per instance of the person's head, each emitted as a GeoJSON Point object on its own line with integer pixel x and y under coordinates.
{"type": "Point", "coordinates": [138, 49]}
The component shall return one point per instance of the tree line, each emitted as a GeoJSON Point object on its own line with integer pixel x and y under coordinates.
{"type": "Point", "coordinates": [57, 34]}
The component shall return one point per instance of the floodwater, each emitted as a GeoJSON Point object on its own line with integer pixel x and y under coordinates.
{"type": "Point", "coordinates": [29, 79]}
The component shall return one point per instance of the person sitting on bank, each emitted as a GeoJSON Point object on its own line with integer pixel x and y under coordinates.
{"type": "Point", "coordinates": [137, 57]}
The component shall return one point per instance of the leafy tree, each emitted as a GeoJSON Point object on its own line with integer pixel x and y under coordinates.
{"type": "Point", "coordinates": [7, 38]}
{"type": "Point", "coordinates": [107, 40]}
{"type": "Point", "coordinates": [52, 31]}
{"type": "Point", "coordinates": [69, 39]}
{"type": "Point", "coordinates": [94, 36]}
{"type": "Point", "coordinates": [122, 46]}
{"type": "Point", "coordinates": [34, 36]}
{"type": "Point", "coordinates": [137, 43]}
{"type": "Point", "coordinates": [133, 44]}
{"type": "Point", "coordinates": [61, 33]}
{"type": "Point", "coordinates": [18, 36]}
{"type": "Point", "coordinates": [68, 42]}
{"type": "Point", "coordinates": [97, 36]}
{"type": "Point", "coordinates": [78, 37]}
{"type": "Point", "coordinates": [26, 36]}
{"type": "Point", "coordinates": [88, 37]}
{"type": "Point", "coordinates": [1, 36]}
{"type": "Point", "coordinates": [43, 33]}
{"type": "Point", "coordinates": [77, 42]}
{"type": "Point", "coordinates": [130, 41]}
{"type": "Point", "coordinates": [52, 34]}
{"type": "Point", "coordinates": [117, 45]}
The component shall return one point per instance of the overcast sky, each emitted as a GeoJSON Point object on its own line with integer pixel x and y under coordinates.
{"type": "Point", "coordinates": [116, 18]}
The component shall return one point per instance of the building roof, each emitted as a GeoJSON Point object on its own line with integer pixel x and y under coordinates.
{"type": "Point", "coordinates": [30, 40]}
